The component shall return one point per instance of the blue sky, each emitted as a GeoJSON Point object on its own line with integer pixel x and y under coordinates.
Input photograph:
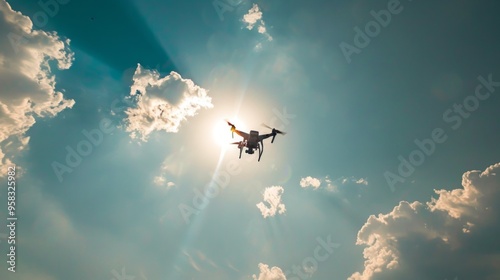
{"type": "Point", "coordinates": [113, 114]}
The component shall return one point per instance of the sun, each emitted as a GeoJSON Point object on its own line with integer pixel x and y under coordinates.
{"type": "Point", "coordinates": [221, 133]}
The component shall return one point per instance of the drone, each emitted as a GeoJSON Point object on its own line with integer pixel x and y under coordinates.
{"type": "Point", "coordinates": [253, 140]}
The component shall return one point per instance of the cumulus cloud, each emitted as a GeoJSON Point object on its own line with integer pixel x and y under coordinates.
{"type": "Point", "coordinates": [162, 103]}
{"type": "Point", "coordinates": [28, 85]}
{"type": "Point", "coordinates": [453, 234]}
{"type": "Point", "coordinates": [310, 182]}
{"type": "Point", "coordinates": [254, 19]}
{"type": "Point", "coordinates": [272, 197]}
{"type": "Point", "coordinates": [266, 273]}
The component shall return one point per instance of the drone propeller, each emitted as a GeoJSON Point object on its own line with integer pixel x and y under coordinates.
{"type": "Point", "coordinates": [274, 130]}
{"type": "Point", "coordinates": [235, 143]}
{"type": "Point", "coordinates": [265, 125]}
{"type": "Point", "coordinates": [233, 128]}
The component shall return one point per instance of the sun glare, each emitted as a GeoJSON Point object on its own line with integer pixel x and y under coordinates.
{"type": "Point", "coordinates": [222, 133]}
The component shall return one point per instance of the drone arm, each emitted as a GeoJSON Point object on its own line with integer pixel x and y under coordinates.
{"type": "Point", "coordinates": [265, 136]}
{"type": "Point", "coordinates": [241, 133]}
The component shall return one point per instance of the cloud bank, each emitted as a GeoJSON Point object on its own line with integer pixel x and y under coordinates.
{"type": "Point", "coordinates": [28, 84]}
{"type": "Point", "coordinates": [453, 235]}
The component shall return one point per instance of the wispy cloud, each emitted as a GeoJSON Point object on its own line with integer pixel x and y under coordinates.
{"type": "Point", "coordinates": [28, 85]}
{"type": "Point", "coordinates": [162, 103]}
{"type": "Point", "coordinates": [161, 179]}
{"type": "Point", "coordinates": [331, 185]}
{"type": "Point", "coordinates": [200, 263]}
{"type": "Point", "coordinates": [192, 262]}
{"type": "Point", "coordinates": [272, 202]}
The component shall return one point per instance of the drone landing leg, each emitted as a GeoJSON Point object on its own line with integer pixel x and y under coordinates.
{"type": "Point", "coordinates": [241, 149]}
{"type": "Point", "coordinates": [260, 150]}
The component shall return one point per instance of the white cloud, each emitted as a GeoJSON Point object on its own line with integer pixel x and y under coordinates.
{"type": "Point", "coordinates": [362, 181]}
{"type": "Point", "coordinates": [332, 185]}
{"type": "Point", "coordinates": [28, 85]}
{"type": "Point", "coordinates": [254, 18]}
{"type": "Point", "coordinates": [272, 197]}
{"type": "Point", "coordinates": [161, 180]}
{"type": "Point", "coordinates": [266, 273]}
{"type": "Point", "coordinates": [346, 180]}
{"type": "Point", "coordinates": [254, 15]}
{"type": "Point", "coordinates": [310, 182]}
{"type": "Point", "coordinates": [346, 183]}
{"type": "Point", "coordinates": [162, 103]}
{"type": "Point", "coordinates": [452, 235]}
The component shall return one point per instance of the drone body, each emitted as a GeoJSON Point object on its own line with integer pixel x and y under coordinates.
{"type": "Point", "coordinates": [253, 141]}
